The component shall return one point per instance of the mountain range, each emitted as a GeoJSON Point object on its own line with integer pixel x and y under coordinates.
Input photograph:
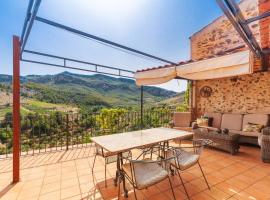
{"type": "Point", "coordinates": [88, 91]}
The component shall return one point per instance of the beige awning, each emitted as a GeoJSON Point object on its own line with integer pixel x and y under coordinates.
{"type": "Point", "coordinates": [156, 76]}
{"type": "Point", "coordinates": [219, 67]}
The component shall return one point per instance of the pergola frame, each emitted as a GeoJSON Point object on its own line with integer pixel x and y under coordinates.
{"type": "Point", "coordinates": [19, 44]}
{"type": "Point", "coordinates": [229, 7]}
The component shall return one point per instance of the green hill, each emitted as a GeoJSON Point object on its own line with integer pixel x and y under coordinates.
{"type": "Point", "coordinates": [89, 92]}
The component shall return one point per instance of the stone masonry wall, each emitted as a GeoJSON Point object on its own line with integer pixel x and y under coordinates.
{"type": "Point", "coordinates": [220, 35]}
{"type": "Point", "coordinates": [242, 94]}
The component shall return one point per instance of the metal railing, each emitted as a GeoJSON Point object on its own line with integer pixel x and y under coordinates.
{"type": "Point", "coordinates": [57, 131]}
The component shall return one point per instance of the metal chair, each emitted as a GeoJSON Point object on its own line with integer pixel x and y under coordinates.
{"type": "Point", "coordinates": [145, 173]}
{"type": "Point", "coordinates": [188, 156]}
{"type": "Point", "coordinates": [108, 158]}
{"type": "Point", "coordinates": [154, 149]}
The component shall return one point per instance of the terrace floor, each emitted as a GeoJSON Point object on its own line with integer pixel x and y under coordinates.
{"type": "Point", "coordinates": [67, 175]}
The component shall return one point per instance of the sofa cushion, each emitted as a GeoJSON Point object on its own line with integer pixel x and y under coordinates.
{"type": "Point", "coordinates": [243, 133]}
{"type": "Point", "coordinates": [232, 121]}
{"type": "Point", "coordinates": [261, 119]}
{"type": "Point", "coordinates": [182, 119]}
{"type": "Point", "coordinates": [216, 119]}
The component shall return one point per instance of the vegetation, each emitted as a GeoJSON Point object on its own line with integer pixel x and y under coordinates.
{"type": "Point", "coordinates": [62, 130]}
{"type": "Point", "coordinates": [183, 107]}
{"type": "Point", "coordinates": [63, 110]}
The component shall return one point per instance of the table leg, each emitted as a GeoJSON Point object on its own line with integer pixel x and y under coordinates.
{"type": "Point", "coordinates": [117, 170]}
{"type": "Point", "coordinates": [123, 179]}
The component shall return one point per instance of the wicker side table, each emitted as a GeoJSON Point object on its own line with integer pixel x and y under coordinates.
{"type": "Point", "coordinates": [264, 142]}
{"type": "Point", "coordinates": [225, 142]}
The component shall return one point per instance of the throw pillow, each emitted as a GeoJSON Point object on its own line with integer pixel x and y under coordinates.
{"type": "Point", "coordinates": [250, 127]}
{"type": "Point", "coordinates": [202, 121]}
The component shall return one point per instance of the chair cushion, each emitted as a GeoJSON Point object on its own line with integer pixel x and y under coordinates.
{"type": "Point", "coordinates": [146, 174]}
{"type": "Point", "coordinates": [184, 159]}
{"type": "Point", "coordinates": [261, 119]}
{"type": "Point", "coordinates": [216, 119]}
{"type": "Point", "coordinates": [232, 121]}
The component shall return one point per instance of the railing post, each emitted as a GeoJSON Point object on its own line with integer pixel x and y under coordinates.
{"type": "Point", "coordinates": [141, 107]}
{"type": "Point", "coordinates": [67, 131]}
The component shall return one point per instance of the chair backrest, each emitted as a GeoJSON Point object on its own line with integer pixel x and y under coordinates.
{"type": "Point", "coordinates": [136, 164]}
{"type": "Point", "coordinates": [196, 147]}
{"type": "Point", "coordinates": [182, 119]}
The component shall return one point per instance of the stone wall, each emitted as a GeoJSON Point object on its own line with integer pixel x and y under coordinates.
{"type": "Point", "coordinates": [220, 35]}
{"type": "Point", "coordinates": [242, 94]}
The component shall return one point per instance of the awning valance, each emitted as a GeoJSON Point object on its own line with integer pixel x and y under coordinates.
{"type": "Point", "coordinates": [218, 67]}
{"type": "Point", "coordinates": [157, 76]}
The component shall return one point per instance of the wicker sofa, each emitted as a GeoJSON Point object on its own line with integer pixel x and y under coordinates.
{"type": "Point", "coordinates": [264, 142]}
{"type": "Point", "coordinates": [236, 123]}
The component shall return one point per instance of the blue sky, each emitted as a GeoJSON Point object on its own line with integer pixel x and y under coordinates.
{"type": "Point", "coordinates": [159, 27]}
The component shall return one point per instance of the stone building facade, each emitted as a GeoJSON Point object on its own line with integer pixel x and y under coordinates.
{"type": "Point", "coordinates": [241, 94]}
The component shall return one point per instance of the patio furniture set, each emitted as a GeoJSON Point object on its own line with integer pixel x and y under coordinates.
{"type": "Point", "coordinates": [164, 161]}
{"type": "Point", "coordinates": [229, 130]}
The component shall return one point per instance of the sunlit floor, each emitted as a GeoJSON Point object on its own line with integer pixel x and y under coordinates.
{"type": "Point", "coordinates": [67, 175]}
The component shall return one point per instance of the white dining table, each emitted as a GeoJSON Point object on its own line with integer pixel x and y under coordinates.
{"type": "Point", "coordinates": [123, 142]}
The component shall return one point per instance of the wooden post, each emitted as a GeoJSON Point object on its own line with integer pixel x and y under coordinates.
{"type": "Point", "coordinates": [16, 109]}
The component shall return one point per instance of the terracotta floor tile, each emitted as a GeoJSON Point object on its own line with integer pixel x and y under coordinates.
{"type": "Point", "coordinates": [242, 176]}
{"type": "Point", "coordinates": [9, 196]}
{"type": "Point", "coordinates": [217, 194]}
{"type": "Point", "coordinates": [192, 189]}
{"type": "Point", "coordinates": [202, 196]}
{"type": "Point", "coordinates": [244, 196]}
{"type": "Point", "coordinates": [159, 196]}
{"type": "Point", "coordinates": [227, 188]}
{"type": "Point", "coordinates": [258, 193]}
{"type": "Point", "coordinates": [179, 194]}
{"type": "Point", "coordinates": [70, 192]}
{"type": "Point", "coordinates": [69, 183]}
{"type": "Point", "coordinates": [151, 191]}
{"type": "Point", "coordinates": [50, 187]}
{"type": "Point", "coordinates": [164, 185]}
{"type": "Point", "coordinates": [52, 195]}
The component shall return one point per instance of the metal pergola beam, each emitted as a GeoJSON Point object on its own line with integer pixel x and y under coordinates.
{"type": "Point", "coordinates": [29, 21]}
{"type": "Point", "coordinates": [65, 59]}
{"type": "Point", "coordinates": [75, 68]}
{"type": "Point", "coordinates": [234, 14]}
{"type": "Point", "coordinates": [90, 36]}
{"type": "Point", "coordinates": [27, 18]}
{"type": "Point", "coordinates": [259, 17]}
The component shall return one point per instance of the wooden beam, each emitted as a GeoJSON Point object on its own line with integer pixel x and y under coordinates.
{"type": "Point", "coordinates": [16, 109]}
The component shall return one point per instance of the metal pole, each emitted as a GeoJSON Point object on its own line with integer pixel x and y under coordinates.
{"type": "Point", "coordinates": [75, 60]}
{"type": "Point", "coordinates": [87, 35]}
{"type": "Point", "coordinates": [27, 17]}
{"type": "Point", "coordinates": [141, 107]}
{"type": "Point", "coordinates": [75, 68]}
{"type": "Point", "coordinates": [16, 109]}
{"type": "Point", "coordinates": [31, 22]}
